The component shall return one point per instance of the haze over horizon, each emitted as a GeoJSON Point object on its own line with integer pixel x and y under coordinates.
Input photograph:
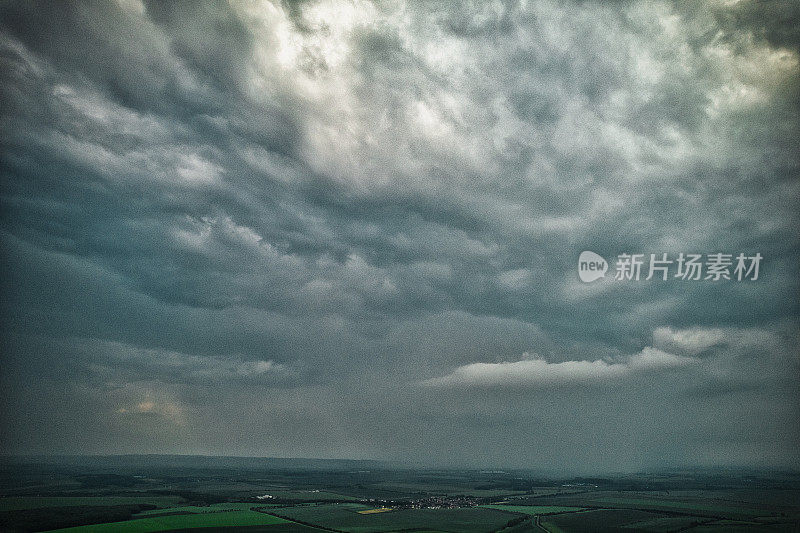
{"type": "Point", "coordinates": [254, 463]}
{"type": "Point", "coordinates": [350, 229]}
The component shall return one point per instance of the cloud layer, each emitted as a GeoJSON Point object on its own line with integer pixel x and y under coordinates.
{"type": "Point", "coordinates": [295, 213]}
{"type": "Point", "coordinates": [534, 371]}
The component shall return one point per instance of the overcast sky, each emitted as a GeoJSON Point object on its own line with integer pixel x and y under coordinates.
{"type": "Point", "coordinates": [351, 229]}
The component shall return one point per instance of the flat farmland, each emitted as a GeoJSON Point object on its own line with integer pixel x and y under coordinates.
{"type": "Point", "coordinates": [730, 526]}
{"type": "Point", "coordinates": [200, 509]}
{"type": "Point", "coordinates": [684, 503]}
{"type": "Point", "coordinates": [602, 521]}
{"type": "Point", "coordinates": [19, 503]}
{"type": "Point", "coordinates": [224, 519]}
{"type": "Point", "coordinates": [348, 518]}
{"type": "Point", "coordinates": [666, 523]}
{"type": "Point", "coordinates": [701, 508]}
{"type": "Point", "coordinates": [534, 509]}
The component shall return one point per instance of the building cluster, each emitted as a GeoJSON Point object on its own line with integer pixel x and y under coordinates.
{"type": "Point", "coordinates": [430, 502]}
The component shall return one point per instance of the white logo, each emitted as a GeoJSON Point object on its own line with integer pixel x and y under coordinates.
{"type": "Point", "coordinates": [591, 267]}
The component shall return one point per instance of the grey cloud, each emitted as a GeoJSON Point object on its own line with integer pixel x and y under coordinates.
{"type": "Point", "coordinates": [361, 202]}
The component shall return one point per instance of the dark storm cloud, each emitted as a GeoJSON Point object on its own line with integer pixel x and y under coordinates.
{"type": "Point", "coordinates": [361, 216]}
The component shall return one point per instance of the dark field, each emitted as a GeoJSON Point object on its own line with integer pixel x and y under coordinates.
{"type": "Point", "coordinates": [346, 518]}
{"type": "Point", "coordinates": [139, 494]}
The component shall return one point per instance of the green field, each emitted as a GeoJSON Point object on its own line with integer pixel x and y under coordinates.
{"type": "Point", "coordinates": [651, 520]}
{"type": "Point", "coordinates": [199, 500]}
{"type": "Point", "coordinates": [601, 521]}
{"type": "Point", "coordinates": [18, 503]}
{"type": "Point", "coordinates": [347, 518]}
{"type": "Point", "coordinates": [551, 527]}
{"type": "Point", "coordinates": [726, 526]}
{"type": "Point", "coordinates": [666, 523]}
{"type": "Point", "coordinates": [225, 519]}
{"type": "Point", "coordinates": [534, 509]}
{"type": "Point", "coordinates": [310, 495]}
{"type": "Point", "coordinates": [443, 488]}
{"type": "Point", "coordinates": [197, 509]}
{"type": "Point", "coordinates": [711, 508]}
